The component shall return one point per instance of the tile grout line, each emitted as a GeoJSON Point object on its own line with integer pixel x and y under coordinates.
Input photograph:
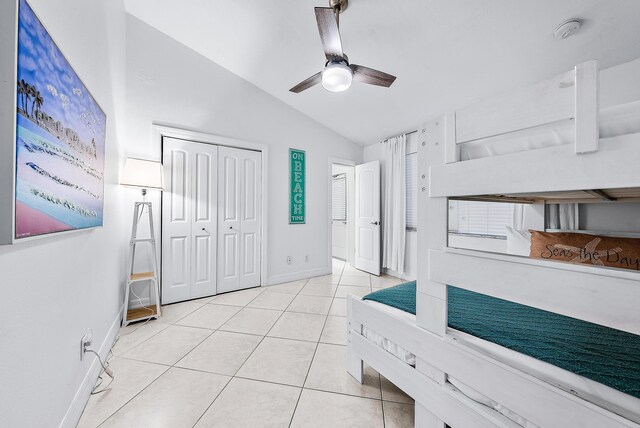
{"type": "Point", "coordinates": [230, 377]}
{"type": "Point", "coordinates": [169, 367]}
{"type": "Point", "coordinates": [160, 331]}
{"type": "Point", "coordinates": [267, 335]}
{"type": "Point", "coordinates": [212, 301]}
{"type": "Point", "coordinates": [247, 359]}
{"type": "Point", "coordinates": [233, 376]}
{"type": "Point", "coordinates": [138, 393]}
{"type": "Point", "coordinates": [275, 383]}
{"type": "Point", "coordinates": [252, 352]}
{"type": "Point", "coordinates": [268, 331]}
{"type": "Point", "coordinates": [384, 424]}
{"type": "Point", "coordinates": [295, 408]}
{"type": "Point", "coordinates": [162, 374]}
{"type": "Point", "coordinates": [314, 356]}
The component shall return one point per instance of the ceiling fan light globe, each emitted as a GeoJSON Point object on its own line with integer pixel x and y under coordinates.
{"type": "Point", "coordinates": [337, 77]}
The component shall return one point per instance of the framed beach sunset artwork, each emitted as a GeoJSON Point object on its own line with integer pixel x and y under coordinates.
{"type": "Point", "coordinates": [60, 139]}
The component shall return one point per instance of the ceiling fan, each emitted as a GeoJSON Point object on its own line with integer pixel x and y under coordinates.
{"type": "Point", "coordinates": [338, 73]}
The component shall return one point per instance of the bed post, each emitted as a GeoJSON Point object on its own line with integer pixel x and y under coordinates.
{"type": "Point", "coordinates": [354, 361]}
{"type": "Point", "coordinates": [586, 104]}
{"type": "Point", "coordinates": [452, 150]}
{"type": "Point", "coordinates": [437, 145]}
{"type": "Point", "coordinates": [431, 297]}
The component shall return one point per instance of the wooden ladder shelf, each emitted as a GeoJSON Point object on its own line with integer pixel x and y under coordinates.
{"type": "Point", "coordinates": [151, 310]}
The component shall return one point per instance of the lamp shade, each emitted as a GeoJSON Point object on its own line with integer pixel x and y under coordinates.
{"type": "Point", "coordinates": [142, 173]}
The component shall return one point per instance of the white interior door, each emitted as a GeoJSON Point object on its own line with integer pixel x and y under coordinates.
{"type": "Point", "coordinates": [367, 217]}
{"type": "Point", "coordinates": [189, 220]}
{"type": "Point", "coordinates": [239, 218]}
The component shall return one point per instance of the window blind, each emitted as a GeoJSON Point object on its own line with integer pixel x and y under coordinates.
{"type": "Point", "coordinates": [411, 177]}
{"type": "Point", "coordinates": [480, 218]}
{"type": "Point", "coordinates": [339, 197]}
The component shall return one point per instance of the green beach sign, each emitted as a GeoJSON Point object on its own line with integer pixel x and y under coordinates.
{"type": "Point", "coordinates": [297, 171]}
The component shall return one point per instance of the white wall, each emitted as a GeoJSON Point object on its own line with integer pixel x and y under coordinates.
{"type": "Point", "coordinates": [169, 84]}
{"type": "Point", "coordinates": [54, 288]}
{"type": "Point", "coordinates": [374, 152]}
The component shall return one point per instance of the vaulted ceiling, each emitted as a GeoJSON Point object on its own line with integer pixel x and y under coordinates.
{"type": "Point", "coordinates": [446, 54]}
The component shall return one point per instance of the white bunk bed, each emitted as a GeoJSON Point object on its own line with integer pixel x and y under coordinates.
{"type": "Point", "coordinates": [513, 147]}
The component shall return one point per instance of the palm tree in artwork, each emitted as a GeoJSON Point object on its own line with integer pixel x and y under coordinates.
{"type": "Point", "coordinates": [34, 93]}
{"type": "Point", "coordinates": [19, 90]}
{"type": "Point", "coordinates": [28, 93]}
{"type": "Point", "coordinates": [37, 102]}
{"type": "Point", "coordinates": [22, 89]}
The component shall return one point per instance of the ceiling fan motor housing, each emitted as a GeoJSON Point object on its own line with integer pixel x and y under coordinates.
{"type": "Point", "coordinates": [340, 5]}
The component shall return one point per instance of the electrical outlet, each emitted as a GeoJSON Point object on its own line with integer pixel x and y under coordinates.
{"type": "Point", "coordinates": [306, 258]}
{"type": "Point", "coordinates": [289, 260]}
{"type": "Point", "coordinates": [85, 342]}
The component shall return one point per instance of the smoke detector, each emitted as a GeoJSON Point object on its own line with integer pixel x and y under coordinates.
{"type": "Point", "coordinates": [567, 28]}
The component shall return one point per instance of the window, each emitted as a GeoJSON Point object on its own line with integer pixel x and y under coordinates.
{"type": "Point", "coordinates": [411, 178]}
{"type": "Point", "coordinates": [339, 198]}
{"type": "Point", "coordinates": [480, 218]}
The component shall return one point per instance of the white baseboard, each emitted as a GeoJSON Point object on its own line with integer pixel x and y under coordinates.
{"type": "Point", "coordinates": [72, 417]}
{"type": "Point", "coordinates": [295, 276]}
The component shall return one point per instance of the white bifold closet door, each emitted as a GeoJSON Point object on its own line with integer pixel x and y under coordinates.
{"type": "Point", "coordinates": [189, 220]}
{"type": "Point", "coordinates": [239, 218]}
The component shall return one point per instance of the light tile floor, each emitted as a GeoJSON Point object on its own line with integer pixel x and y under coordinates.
{"type": "Point", "coordinates": [265, 357]}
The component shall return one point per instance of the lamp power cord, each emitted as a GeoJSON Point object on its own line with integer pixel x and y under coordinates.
{"type": "Point", "coordinates": [105, 370]}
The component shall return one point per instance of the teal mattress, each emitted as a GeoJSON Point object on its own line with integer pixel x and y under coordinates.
{"type": "Point", "coordinates": [602, 354]}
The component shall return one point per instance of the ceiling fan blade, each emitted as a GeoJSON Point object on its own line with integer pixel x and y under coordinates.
{"type": "Point", "coordinates": [329, 33]}
{"type": "Point", "coordinates": [306, 84]}
{"type": "Point", "coordinates": [371, 76]}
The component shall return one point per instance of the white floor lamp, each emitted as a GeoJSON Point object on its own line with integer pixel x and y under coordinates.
{"type": "Point", "coordinates": [144, 174]}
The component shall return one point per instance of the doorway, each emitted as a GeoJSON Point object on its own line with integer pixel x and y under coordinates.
{"type": "Point", "coordinates": [342, 209]}
{"type": "Point", "coordinates": [211, 219]}
{"type": "Point", "coordinates": [342, 189]}
{"type": "Point", "coordinates": [354, 214]}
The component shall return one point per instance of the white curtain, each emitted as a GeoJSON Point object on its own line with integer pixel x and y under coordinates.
{"type": "Point", "coordinates": [562, 216]}
{"type": "Point", "coordinates": [394, 219]}
{"type": "Point", "coordinates": [518, 216]}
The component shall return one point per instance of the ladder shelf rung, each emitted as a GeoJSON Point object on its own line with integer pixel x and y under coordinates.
{"type": "Point", "coordinates": [141, 313]}
{"type": "Point", "coordinates": [142, 276]}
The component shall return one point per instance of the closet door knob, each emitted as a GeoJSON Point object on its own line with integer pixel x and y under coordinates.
{"type": "Point", "coordinates": [375, 223]}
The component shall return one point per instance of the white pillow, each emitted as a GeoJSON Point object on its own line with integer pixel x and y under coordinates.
{"type": "Point", "coordinates": [518, 242]}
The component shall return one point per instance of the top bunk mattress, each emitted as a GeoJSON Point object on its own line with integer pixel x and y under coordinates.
{"type": "Point", "coordinates": [614, 121]}
{"type": "Point", "coordinates": [602, 354]}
